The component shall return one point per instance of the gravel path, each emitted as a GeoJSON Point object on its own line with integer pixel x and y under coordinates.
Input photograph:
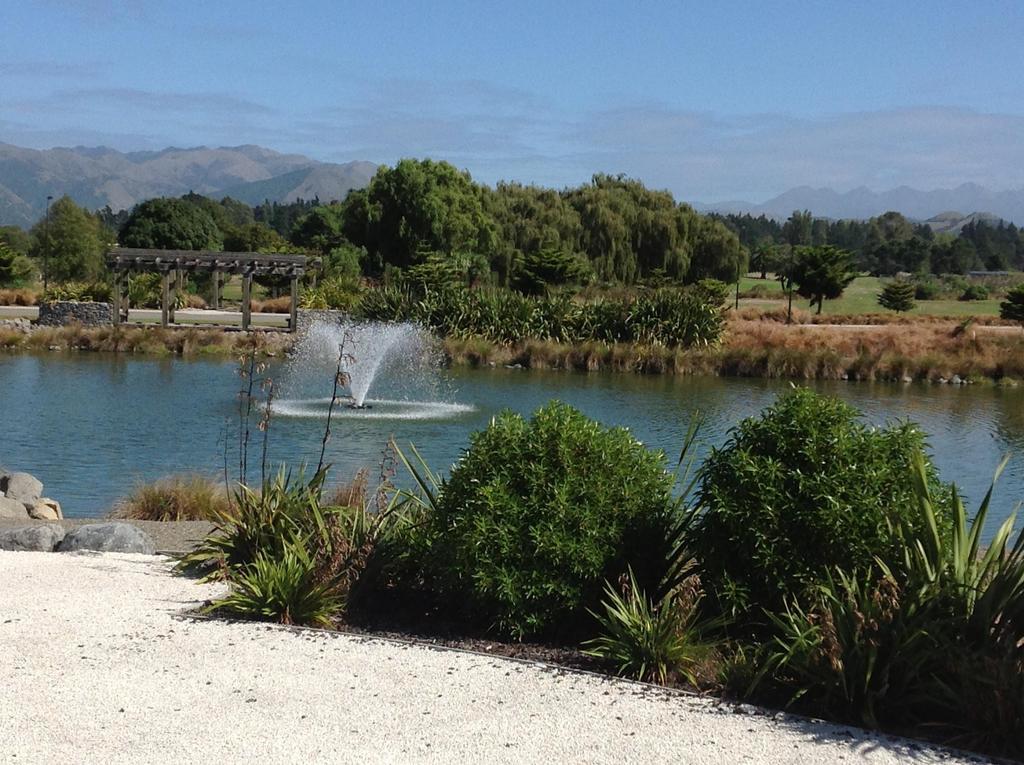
{"type": "Point", "coordinates": [98, 666]}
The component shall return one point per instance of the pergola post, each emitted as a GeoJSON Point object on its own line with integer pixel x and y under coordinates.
{"type": "Point", "coordinates": [118, 295]}
{"type": "Point", "coordinates": [246, 300]}
{"type": "Point", "coordinates": [215, 297]}
{"type": "Point", "coordinates": [165, 298]}
{"type": "Point", "coordinates": [173, 302]}
{"type": "Point", "coordinates": [294, 315]}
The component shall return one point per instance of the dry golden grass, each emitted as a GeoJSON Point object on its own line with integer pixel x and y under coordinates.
{"type": "Point", "coordinates": [272, 305]}
{"type": "Point", "coordinates": [19, 297]}
{"type": "Point", "coordinates": [923, 349]}
{"type": "Point", "coordinates": [175, 498]}
{"type": "Point", "coordinates": [186, 341]}
{"type": "Point", "coordinates": [354, 494]}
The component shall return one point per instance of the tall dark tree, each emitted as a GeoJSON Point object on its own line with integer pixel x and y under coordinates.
{"type": "Point", "coordinates": [170, 224]}
{"type": "Point", "coordinates": [822, 273]}
{"type": "Point", "coordinates": [69, 244]}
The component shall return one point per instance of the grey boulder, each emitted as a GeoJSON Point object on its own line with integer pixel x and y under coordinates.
{"type": "Point", "coordinates": [22, 487]}
{"type": "Point", "coordinates": [39, 538]}
{"type": "Point", "coordinates": [12, 508]}
{"type": "Point", "coordinates": [108, 537]}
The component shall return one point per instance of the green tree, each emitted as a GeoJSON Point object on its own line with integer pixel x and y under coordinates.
{"type": "Point", "coordinates": [548, 268]}
{"type": "Point", "coordinates": [16, 238]}
{"type": "Point", "coordinates": [321, 229]}
{"type": "Point", "coordinates": [821, 273]}
{"type": "Point", "coordinates": [69, 245]}
{"type": "Point", "coordinates": [170, 224]}
{"type": "Point", "coordinates": [15, 269]}
{"type": "Point", "coordinates": [898, 296]}
{"type": "Point", "coordinates": [419, 205]}
{"type": "Point", "coordinates": [1012, 308]}
{"type": "Point", "coordinates": [254, 237]}
{"type": "Point", "coordinates": [798, 230]}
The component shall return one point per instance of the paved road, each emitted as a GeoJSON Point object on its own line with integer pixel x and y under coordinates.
{"type": "Point", "coordinates": [97, 666]}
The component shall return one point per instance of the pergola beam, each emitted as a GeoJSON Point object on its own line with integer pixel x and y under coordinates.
{"type": "Point", "coordinates": [173, 265]}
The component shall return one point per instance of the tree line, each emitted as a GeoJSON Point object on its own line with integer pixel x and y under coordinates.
{"type": "Point", "coordinates": [884, 245]}
{"type": "Point", "coordinates": [613, 229]}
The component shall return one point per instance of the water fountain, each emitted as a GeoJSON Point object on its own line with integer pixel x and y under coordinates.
{"type": "Point", "coordinates": [398, 361]}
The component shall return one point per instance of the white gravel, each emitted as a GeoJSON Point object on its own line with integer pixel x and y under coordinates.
{"type": "Point", "coordinates": [97, 666]}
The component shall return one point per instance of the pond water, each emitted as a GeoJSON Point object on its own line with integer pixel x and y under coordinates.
{"type": "Point", "coordinates": [91, 425]}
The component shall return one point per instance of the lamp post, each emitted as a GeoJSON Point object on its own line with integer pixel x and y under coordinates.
{"type": "Point", "coordinates": [46, 252]}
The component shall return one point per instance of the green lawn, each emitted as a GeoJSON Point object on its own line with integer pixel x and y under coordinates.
{"type": "Point", "coordinates": [862, 297]}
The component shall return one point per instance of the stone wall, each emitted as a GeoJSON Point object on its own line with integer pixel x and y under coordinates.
{"type": "Point", "coordinates": [61, 312]}
{"type": "Point", "coordinates": [306, 317]}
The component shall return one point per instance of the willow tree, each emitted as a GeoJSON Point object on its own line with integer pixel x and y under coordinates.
{"type": "Point", "coordinates": [419, 206]}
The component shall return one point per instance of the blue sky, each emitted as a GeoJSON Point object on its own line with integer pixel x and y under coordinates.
{"type": "Point", "coordinates": [713, 100]}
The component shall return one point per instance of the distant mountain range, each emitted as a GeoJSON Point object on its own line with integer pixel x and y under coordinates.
{"type": "Point", "coordinates": [95, 177]}
{"type": "Point", "coordinates": [861, 203]}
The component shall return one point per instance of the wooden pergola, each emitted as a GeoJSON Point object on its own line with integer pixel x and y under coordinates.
{"type": "Point", "coordinates": [172, 265]}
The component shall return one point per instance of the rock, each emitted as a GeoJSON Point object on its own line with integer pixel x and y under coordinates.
{"type": "Point", "coordinates": [907, 379]}
{"type": "Point", "coordinates": [12, 508]}
{"type": "Point", "coordinates": [38, 538]}
{"type": "Point", "coordinates": [45, 509]}
{"type": "Point", "coordinates": [22, 487]}
{"type": "Point", "coordinates": [108, 537]}
{"type": "Point", "coordinates": [957, 380]}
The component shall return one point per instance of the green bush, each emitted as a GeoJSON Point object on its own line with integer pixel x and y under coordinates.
{"type": "Point", "coordinates": [927, 289]}
{"type": "Point", "coordinates": [669, 317]}
{"type": "Point", "coordinates": [935, 638]}
{"type": "Point", "coordinates": [78, 291]}
{"type": "Point", "coordinates": [975, 292]}
{"type": "Point", "coordinates": [337, 292]}
{"type": "Point", "coordinates": [537, 515]}
{"type": "Point", "coordinates": [798, 491]}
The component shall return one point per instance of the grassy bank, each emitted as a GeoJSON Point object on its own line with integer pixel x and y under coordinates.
{"type": "Point", "coordinates": [755, 344]}
{"type": "Point", "coordinates": [760, 348]}
{"type": "Point", "coordinates": [155, 341]}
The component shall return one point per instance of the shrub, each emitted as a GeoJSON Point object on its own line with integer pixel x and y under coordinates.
{"type": "Point", "coordinates": [975, 292]}
{"type": "Point", "coordinates": [78, 291]}
{"type": "Point", "coordinates": [538, 514]}
{"type": "Point", "coordinates": [797, 491]}
{"type": "Point", "coordinates": [177, 498]}
{"type": "Point", "coordinates": [649, 641]}
{"type": "Point", "coordinates": [858, 652]}
{"type": "Point", "coordinates": [339, 293]}
{"type": "Point", "coordinates": [284, 589]}
{"type": "Point", "coordinates": [1013, 307]}
{"type": "Point", "coordinates": [936, 640]}
{"type": "Point", "coordinates": [259, 522]}
{"type": "Point", "coordinates": [927, 289]}
{"type": "Point", "coordinates": [669, 317]}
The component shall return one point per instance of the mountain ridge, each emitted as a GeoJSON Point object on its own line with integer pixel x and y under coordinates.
{"type": "Point", "coordinates": [862, 203]}
{"type": "Point", "coordinates": [98, 176]}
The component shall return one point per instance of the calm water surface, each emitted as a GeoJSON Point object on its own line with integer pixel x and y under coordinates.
{"type": "Point", "coordinates": [91, 425]}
